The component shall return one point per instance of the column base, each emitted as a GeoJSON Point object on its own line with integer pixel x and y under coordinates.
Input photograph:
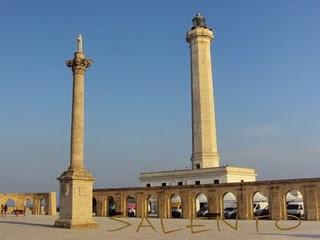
{"type": "Point", "coordinates": [71, 224]}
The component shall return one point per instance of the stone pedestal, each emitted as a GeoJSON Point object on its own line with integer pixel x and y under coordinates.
{"type": "Point", "coordinates": [76, 187]}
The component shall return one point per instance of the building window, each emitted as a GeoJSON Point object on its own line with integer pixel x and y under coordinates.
{"type": "Point", "coordinates": [197, 166]}
{"type": "Point", "coordinates": [148, 185]}
{"type": "Point", "coordinates": [180, 183]}
{"type": "Point", "coordinates": [216, 181]}
{"type": "Point", "coordinates": [197, 182]}
{"type": "Point", "coordinates": [164, 184]}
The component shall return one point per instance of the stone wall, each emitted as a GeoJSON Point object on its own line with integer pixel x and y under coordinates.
{"type": "Point", "coordinates": [39, 203]}
{"type": "Point", "coordinates": [275, 191]}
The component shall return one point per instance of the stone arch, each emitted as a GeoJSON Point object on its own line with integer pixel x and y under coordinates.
{"type": "Point", "coordinates": [294, 203]}
{"type": "Point", "coordinates": [260, 204]}
{"type": "Point", "coordinates": [175, 206]}
{"type": "Point", "coordinates": [94, 206]}
{"type": "Point", "coordinates": [111, 206]}
{"type": "Point", "coordinates": [201, 204]}
{"type": "Point", "coordinates": [152, 205]}
{"type": "Point", "coordinates": [229, 205]}
{"type": "Point", "coordinates": [43, 205]}
{"type": "Point", "coordinates": [28, 205]}
{"type": "Point", "coordinates": [11, 204]}
{"type": "Point", "coordinates": [131, 205]}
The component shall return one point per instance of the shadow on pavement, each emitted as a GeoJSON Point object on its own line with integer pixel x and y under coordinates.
{"type": "Point", "coordinates": [30, 224]}
{"type": "Point", "coordinates": [296, 235]}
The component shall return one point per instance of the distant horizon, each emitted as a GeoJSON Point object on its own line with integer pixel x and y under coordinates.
{"type": "Point", "coordinates": [265, 59]}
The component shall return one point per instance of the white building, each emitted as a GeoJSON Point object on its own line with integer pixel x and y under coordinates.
{"type": "Point", "coordinates": [224, 174]}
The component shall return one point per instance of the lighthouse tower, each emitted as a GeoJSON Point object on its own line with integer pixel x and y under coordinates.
{"type": "Point", "coordinates": [204, 134]}
{"type": "Point", "coordinates": [205, 159]}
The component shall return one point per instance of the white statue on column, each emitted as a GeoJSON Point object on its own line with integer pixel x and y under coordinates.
{"type": "Point", "coordinates": [79, 43]}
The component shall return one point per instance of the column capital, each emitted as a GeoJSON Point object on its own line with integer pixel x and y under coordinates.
{"type": "Point", "coordinates": [79, 63]}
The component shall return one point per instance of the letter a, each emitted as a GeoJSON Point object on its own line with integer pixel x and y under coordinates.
{"type": "Point", "coordinates": [148, 225]}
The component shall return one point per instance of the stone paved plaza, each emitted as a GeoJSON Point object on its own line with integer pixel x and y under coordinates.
{"type": "Point", "coordinates": [40, 227]}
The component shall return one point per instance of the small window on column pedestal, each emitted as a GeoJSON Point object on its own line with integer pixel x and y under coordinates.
{"type": "Point", "coordinates": [197, 166]}
{"type": "Point", "coordinates": [148, 185]}
{"type": "Point", "coordinates": [164, 184]}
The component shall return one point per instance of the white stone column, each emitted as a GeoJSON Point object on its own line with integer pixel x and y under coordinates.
{"type": "Point", "coordinates": [79, 65]}
{"type": "Point", "coordinates": [204, 138]}
{"type": "Point", "coordinates": [76, 184]}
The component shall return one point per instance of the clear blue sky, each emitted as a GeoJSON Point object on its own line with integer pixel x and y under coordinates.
{"type": "Point", "coordinates": [266, 59]}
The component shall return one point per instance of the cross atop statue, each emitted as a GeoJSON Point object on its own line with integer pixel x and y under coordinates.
{"type": "Point", "coordinates": [79, 43]}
